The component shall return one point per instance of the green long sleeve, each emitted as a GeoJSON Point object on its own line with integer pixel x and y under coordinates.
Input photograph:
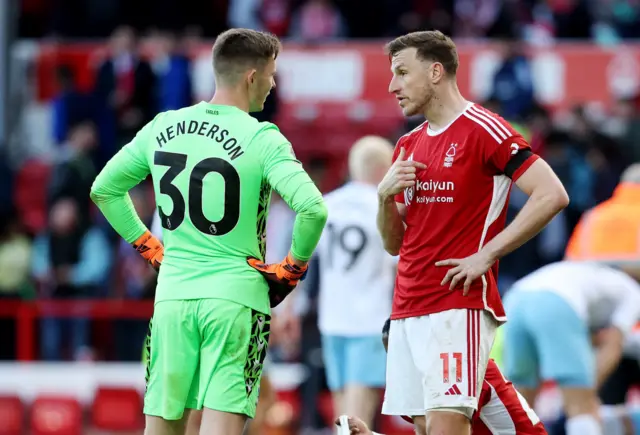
{"type": "Point", "coordinates": [110, 190]}
{"type": "Point", "coordinates": [287, 176]}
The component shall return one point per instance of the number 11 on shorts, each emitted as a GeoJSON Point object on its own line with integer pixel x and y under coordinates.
{"type": "Point", "coordinates": [445, 357]}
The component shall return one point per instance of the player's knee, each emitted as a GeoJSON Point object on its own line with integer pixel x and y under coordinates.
{"type": "Point", "coordinates": [419, 425]}
{"type": "Point", "coordinates": [448, 421]}
{"type": "Point", "coordinates": [579, 401]}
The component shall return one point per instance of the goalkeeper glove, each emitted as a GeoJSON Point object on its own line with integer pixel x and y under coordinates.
{"type": "Point", "coordinates": [150, 248]}
{"type": "Point", "coordinates": [282, 277]}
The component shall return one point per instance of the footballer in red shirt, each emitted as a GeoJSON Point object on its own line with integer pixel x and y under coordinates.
{"type": "Point", "coordinates": [442, 208]}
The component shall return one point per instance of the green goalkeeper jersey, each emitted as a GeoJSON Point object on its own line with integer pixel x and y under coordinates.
{"type": "Point", "coordinates": [213, 168]}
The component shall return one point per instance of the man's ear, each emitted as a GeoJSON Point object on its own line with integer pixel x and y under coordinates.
{"type": "Point", "coordinates": [437, 72]}
{"type": "Point", "coordinates": [251, 76]}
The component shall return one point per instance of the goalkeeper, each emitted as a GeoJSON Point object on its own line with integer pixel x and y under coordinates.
{"type": "Point", "coordinates": [213, 167]}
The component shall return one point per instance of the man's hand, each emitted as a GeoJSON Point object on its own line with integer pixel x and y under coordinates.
{"type": "Point", "coordinates": [401, 174]}
{"type": "Point", "coordinates": [282, 277]}
{"type": "Point", "coordinates": [356, 426]}
{"type": "Point", "coordinates": [468, 269]}
{"type": "Point", "coordinates": [150, 248]}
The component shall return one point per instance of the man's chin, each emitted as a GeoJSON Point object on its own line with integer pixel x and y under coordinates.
{"type": "Point", "coordinates": [409, 111]}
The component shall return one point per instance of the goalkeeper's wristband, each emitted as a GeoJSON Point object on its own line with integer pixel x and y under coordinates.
{"type": "Point", "coordinates": [150, 248]}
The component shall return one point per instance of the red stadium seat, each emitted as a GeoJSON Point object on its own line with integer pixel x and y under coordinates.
{"type": "Point", "coordinates": [117, 409]}
{"type": "Point", "coordinates": [31, 194]}
{"type": "Point", "coordinates": [12, 415]}
{"type": "Point", "coordinates": [56, 415]}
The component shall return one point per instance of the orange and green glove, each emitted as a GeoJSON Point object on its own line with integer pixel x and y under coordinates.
{"type": "Point", "coordinates": [282, 277]}
{"type": "Point", "coordinates": [150, 248]}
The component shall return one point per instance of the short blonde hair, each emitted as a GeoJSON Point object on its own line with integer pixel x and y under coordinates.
{"type": "Point", "coordinates": [366, 153]}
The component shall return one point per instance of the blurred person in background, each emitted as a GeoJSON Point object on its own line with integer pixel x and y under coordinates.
{"type": "Point", "coordinates": [136, 281]}
{"type": "Point", "coordinates": [124, 89]}
{"type": "Point", "coordinates": [245, 14]}
{"type": "Point", "coordinates": [575, 172]}
{"type": "Point", "coordinates": [606, 159]}
{"type": "Point", "coordinates": [172, 70]}
{"type": "Point", "coordinates": [548, 337]}
{"type": "Point", "coordinates": [539, 124]}
{"type": "Point", "coordinates": [74, 171]}
{"type": "Point", "coordinates": [611, 230]}
{"type": "Point", "coordinates": [624, 124]}
{"type": "Point", "coordinates": [602, 152]}
{"type": "Point", "coordinates": [572, 19]}
{"type": "Point", "coordinates": [15, 265]}
{"type": "Point", "coordinates": [356, 284]}
{"type": "Point", "coordinates": [317, 21]}
{"type": "Point", "coordinates": [70, 106]}
{"type": "Point", "coordinates": [513, 82]}
{"type": "Point", "coordinates": [69, 262]}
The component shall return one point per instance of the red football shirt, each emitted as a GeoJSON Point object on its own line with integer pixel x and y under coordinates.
{"type": "Point", "coordinates": [458, 204]}
{"type": "Point", "coordinates": [501, 409]}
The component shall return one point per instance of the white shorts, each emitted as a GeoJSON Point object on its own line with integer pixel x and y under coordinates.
{"type": "Point", "coordinates": [438, 361]}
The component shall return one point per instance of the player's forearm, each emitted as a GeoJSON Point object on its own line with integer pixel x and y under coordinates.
{"type": "Point", "coordinates": [116, 207]}
{"type": "Point", "coordinates": [537, 212]}
{"type": "Point", "coordinates": [120, 213]}
{"type": "Point", "coordinates": [307, 230]}
{"type": "Point", "coordinates": [390, 225]}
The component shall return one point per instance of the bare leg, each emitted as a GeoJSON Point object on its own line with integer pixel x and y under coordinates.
{"type": "Point", "coordinates": [361, 401]}
{"type": "Point", "coordinates": [447, 423]}
{"type": "Point", "coordinates": [193, 424]}
{"type": "Point", "coordinates": [221, 423]}
{"type": "Point", "coordinates": [159, 426]}
{"type": "Point", "coordinates": [582, 407]}
{"type": "Point", "coordinates": [265, 401]}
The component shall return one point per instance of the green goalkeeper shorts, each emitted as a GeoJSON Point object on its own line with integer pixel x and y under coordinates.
{"type": "Point", "coordinates": [204, 353]}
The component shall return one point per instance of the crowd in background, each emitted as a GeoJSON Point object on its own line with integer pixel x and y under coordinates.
{"type": "Point", "coordinates": [316, 20]}
{"type": "Point", "coordinates": [74, 254]}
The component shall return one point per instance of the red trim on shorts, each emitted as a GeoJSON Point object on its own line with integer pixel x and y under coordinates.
{"type": "Point", "coordinates": [473, 350]}
{"type": "Point", "coordinates": [469, 335]}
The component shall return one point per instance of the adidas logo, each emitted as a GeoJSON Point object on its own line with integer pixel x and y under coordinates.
{"type": "Point", "coordinates": [453, 391]}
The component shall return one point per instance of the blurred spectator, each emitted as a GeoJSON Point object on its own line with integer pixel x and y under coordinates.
{"type": "Point", "coordinates": [474, 18]}
{"type": "Point", "coordinates": [70, 106]}
{"type": "Point", "coordinates": [74, 171]}
{"type": "Point", "coordinates": [15, 257]}
{"type": "Point", "coordinates": [245, 14]}
{"type": "Point", "coordinates": [611, 230]}
{"type": "Point", "coordinates": [317, 21]}
{"type": "Point", "coordinates": [572, 18]}
{"type": "Point", "coordinates": [15, 260]}
{"type": "Point", "coordinates": [135, 280]}
{"type": "Point", "coordinates": [7, 182]}
{"type": "Point", "coordinates": [276, 16]}
{"type": "Point", "coordinates": [624, 124]}
{"type": "Point", "coordinates": [577, 176]}
{"type": "Point", "coordinates": [513, 83]}
{"type": "Point", "coordinates": [125, 87]}
{"type": "Point", "coordinates": [172, 70]}
{"type": "Point", "coordinates": [606, 158]}
{"type": "Point", "coordinates": [624, 16]}
{"type": "Point", "coordinates": [69, 263]}
{"type": "Point", "coordinates": [539, 124]}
